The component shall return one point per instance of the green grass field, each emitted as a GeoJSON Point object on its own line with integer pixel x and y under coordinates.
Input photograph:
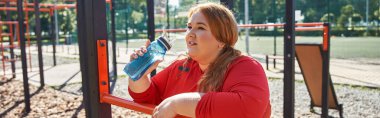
{"type": "Point", "coordinates": [341, 47]}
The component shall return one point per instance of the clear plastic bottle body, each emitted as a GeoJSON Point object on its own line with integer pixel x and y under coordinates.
{"type": "Point", "coordinates": [155, 51]}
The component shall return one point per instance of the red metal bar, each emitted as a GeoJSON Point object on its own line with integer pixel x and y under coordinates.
{"type": "Point", "coordinates": [325, 37]}
{"type": "Point", "coordinates": [281, 25]}
{"type": "Point", "coordinates": [310, 24]}
{"type": "Point", "coordinates": [8, 22]}
{"type": "Point", "coordinates": [102, 68]}
{"type": "Point", "coordinates": [8, 46]}
{"type": "Point", "coordinates": [5, 34]}
{"type": "Point", "coordinates": [260, 25]}
{"type": "Point", "coordinates": [44, 5]}
{"type": "Point", "coordinates": [8, 0]}
{"type": "Point", "coordinates": [170, 30]}
{"type": "Point", "coordinates": [110, 4]}
{"type": "Point", "coordinates": [298, 28]}
{"type": "Point", "coordinates": [145, 108]}
{"type": "Point", "coordinates": [309, 28]}
{"type": "Point", "coordinates": [41, 5]}
{"type": "Point", "coordinates": [25, 9]}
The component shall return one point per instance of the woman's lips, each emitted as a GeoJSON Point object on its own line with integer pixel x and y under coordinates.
{"type": "Point", "coordinates": [191, 43]}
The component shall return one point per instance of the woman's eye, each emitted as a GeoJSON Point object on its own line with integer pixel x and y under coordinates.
{"type": "Point", "coordinates": [201, 28]}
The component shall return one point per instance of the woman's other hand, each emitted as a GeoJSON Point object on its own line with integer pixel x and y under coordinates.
{"type": "Point", "coordinates": [183, 105]}
{"type": "Point", "coordinates": [166, 109]}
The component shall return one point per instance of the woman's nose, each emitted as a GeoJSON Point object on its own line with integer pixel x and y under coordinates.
{"type": "Point", "coordinates": [190, 34]}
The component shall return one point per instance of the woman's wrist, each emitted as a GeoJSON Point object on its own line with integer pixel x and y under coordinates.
{"type": "Point", "coordinates": [140, 85]}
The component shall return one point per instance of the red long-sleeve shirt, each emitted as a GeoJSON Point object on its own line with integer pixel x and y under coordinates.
{"type": "Point", "coordinates": [244, 94]}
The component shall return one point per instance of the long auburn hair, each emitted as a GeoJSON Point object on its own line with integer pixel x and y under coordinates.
{"type": "Point", "coordinates": [224, 28]}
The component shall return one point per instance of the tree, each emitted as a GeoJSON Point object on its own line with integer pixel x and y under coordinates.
{"type": "Point", "coordinates": [341, 21]}
{"type": "Point", "coordinates": [376, 15]}
{"type": "Point", "coordinates": [346, 14]}
{"type": "Point", "coordinates": [330, 17]}
{"type": "Point", "coordinates": [347, 10]}
{"type": "Point", "coordinates": [356, 18]}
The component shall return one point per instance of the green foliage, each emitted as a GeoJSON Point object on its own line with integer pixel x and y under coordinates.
{"type": "Point", "coordinates": [347, 10]}
{"type": "Point", "coordinates": [328, 17]}
{"type": "Point", "coordinates": [356, 17]}
{"type": "Point", "coordinates": [131, 15]}
{"type": "Point", "coordinates": [341, 21]}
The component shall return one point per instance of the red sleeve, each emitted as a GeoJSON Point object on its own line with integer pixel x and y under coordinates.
{"type": "Point", "coordinates": [245, 94]}
{"type": "Point", "coordinates": [153, 95]}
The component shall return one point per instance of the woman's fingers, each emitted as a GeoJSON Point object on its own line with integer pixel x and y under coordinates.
{"type": "Point", "coordinates": [143, 49]}
{"type": "Point", "coordinates": [139, 52]}
{"type": "Point", "coordinates": [164, 109]}
{"type": "Point", "coordinates": [147, 43]}
{"type": "Point", "coordinates": [133, 56]}
{"type": "Point", "coordinates": [155, 112]}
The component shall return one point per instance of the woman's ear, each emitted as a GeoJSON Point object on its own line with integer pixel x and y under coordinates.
{"type": "Point", "coordinates": [221, 45]}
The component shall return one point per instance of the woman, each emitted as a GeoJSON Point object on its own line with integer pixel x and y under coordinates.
{"type": "Point", "coordinates": [214, 81]}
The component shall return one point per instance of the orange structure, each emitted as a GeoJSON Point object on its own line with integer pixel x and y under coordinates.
{"type": "Point", "coordinates": [27, 8]}
{"type": "Point", "coordinates": [4, 58]}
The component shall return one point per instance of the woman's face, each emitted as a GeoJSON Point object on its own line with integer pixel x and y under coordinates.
{"type": "Point", "coordinates": [201, 44]}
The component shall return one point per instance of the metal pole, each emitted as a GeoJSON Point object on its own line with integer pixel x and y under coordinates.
{"type": "Point", "coordinates": [246, 17]}
{"type": "Point", "coordinates": [175, 17]}
{"type": "Point", "coordinates": [289, 50]}
{"type": "Point", "coordinates": [53, 35]}
{"type": "Point", "coordinates": [274, 32]}
{"type": "Point", "coordinates": [56, 23]}
{"type": "Point", "coordinates": [28, 37]}
{"type": "Point", "coordinates": [11, 40]}
{"type": "Point", "coordinates": [366, 17]}
{"type": "Point", "coordinates": [39, 42]}
{"type": "Point", "coordinates": [150, 24]}
{"type": "Point", "coordinates": [326, 70]}
{"type": "Point", "coordinates": [113, 36]}
{"type": "Point", "coordinates": [126, 28]}
{"type": "Point", "coordinates": [20, 17]}
{"type": "Point", "coordinates": [89, 13]}
{"type": "Point", "coordinates": [167, 15]}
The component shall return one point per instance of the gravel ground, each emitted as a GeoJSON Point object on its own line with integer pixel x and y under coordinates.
{"type": "Point", "coordinates": [52, 101]}
{"type": "Point", "coordinates": [357, 101]}
{"type": "Point", "coordinates": [46, 102]}
{"type": "Point", "coordinates": [67, 101]}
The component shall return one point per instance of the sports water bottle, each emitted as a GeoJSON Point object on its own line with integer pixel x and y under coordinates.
{"type": "Point", "coordinates": [155, 51]}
